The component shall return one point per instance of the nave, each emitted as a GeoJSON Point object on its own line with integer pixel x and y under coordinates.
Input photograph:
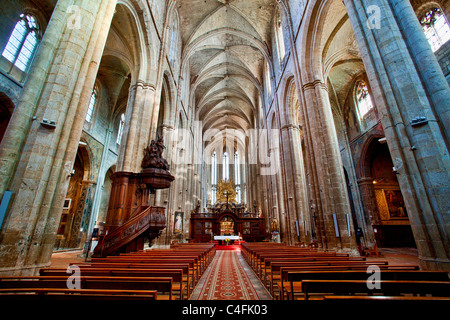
{"type": "Point", "coordinates": [249, 271]}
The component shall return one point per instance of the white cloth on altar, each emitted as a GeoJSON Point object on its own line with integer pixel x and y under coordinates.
{"type": "Point", "coordinates": [226, 237]}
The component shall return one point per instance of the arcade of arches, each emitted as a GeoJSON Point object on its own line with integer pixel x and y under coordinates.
{"type": "Point", "coordinates": [329, 120]}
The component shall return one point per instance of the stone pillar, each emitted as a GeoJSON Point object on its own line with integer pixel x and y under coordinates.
{"type": "Point", "coordinates": [297, 199]}
{"type": "Point", "coordinates": [329, 171]}
{"type": "Point", "coordinates": [370, 209]}
{"type": "Point", "coordinates": [402, 79]}
{"type": "Point", "coordinates": [428, 69]}
{"type": "Point", "coordinates": [38, 171]}
{"type": "Point", "coordinates": [137, 124]}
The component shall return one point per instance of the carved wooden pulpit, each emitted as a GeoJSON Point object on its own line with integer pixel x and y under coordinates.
{"type": "Point", "coordinates": [130, 218]}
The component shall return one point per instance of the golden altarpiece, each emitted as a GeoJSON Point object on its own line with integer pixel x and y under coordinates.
{"type": "Point", "coordinates": [226, 217]}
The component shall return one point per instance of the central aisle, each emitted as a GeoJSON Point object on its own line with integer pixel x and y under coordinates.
{"type": "Point", "coordinates": [229, 278]}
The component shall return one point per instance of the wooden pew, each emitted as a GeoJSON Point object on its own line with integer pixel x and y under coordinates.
{"type": "Point", "coordinates": [261, 258]}
{"type": "Point", "coordinates": [181, 265]}
{"type": "Point", "coordinates": [268, 261]}
{"type": "Point", "coordinates": [275, 267]}
{"type": "Point", "coordinates": [180, 284]}
{"type": "Point", "coordinates": [320, 288]}
{"type": "Point", "coordinates": [291, 280]}
{"type": "Point", "coordinates": [162, 285]}
{"type": "Point", "coordinates": [132, 265]}
{"type": "Point", "coordinates": [144, 258]}
{"type": "Point", "coordinates": [202, 258]}
{"type": "Point", "coordinates": [285, 270]}
{"type": "Point", "coordinates": [26, 294]}
{"type": "Point", "coordinates": [258, 256]}
{"type": "Point", "coordinates": [205, 256]}
{"type": "Point", "coordinates": [255, 254]}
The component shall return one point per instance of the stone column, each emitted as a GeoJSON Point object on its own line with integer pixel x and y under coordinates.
{"type": "Point", "coordinates": [38, 170]}
{"type": "Point", "coordinates": [137, 124]}
{"type": "Point", "coordinates": [403, 87]}
{"type": "Point", "coordinates": [329, 170]}
{"type": "Point", "coordinates": [297, 198]}
{"type": "Point", "coordinates": [428, 69]}
{"type": "Point", "coordinates": [370, 208]}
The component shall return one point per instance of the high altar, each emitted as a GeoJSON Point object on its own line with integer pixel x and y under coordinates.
{"type": "Point", "coordinates": [227, 218]}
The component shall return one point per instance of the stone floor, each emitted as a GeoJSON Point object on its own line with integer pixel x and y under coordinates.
{"type": "Point", "coordinates": [398, 256]}
{"type": "Point", "coordinates": [64, 258]}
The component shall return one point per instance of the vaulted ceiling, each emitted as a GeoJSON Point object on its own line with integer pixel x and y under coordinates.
{"type": "Point", "coordinates": [225, 44]}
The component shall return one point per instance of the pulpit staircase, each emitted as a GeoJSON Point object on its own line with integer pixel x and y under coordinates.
{"type": "Point", "coordinates": [147, 223]}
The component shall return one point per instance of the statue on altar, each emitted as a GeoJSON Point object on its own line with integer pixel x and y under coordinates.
{"type": "Point", "coordinates": [153, 155]}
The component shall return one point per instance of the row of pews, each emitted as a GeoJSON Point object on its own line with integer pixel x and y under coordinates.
{"type": "Point", "coordinates": [165, 274]}
{"type": "Point", "coordinates": [294, 273]}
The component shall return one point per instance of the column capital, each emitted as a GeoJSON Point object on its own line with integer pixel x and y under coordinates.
{"type": "Point", "coordinates": [314, 84]}
{"type": "Point", "coordinates": [144, 85]}
{"type": "Point", "coordinates": [290, 126]}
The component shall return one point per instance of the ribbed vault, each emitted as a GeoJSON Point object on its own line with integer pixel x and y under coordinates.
{"type": "Point", "coordinates": [225, 50]}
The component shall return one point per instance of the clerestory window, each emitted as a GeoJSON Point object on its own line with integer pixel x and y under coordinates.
{"type": "Point", "coordinates": [363, 99]}
{"type": "Point", "coordinates": [92, 103]}
{"type": "Point", "coordinates": [22, 43]}
{"type": "Point", "coordinates": [121, 126]}
{"type": "Point", "coordinates": [436, 28]}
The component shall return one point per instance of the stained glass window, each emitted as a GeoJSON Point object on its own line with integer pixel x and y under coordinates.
{"type": "Point", "coordinates": [436, 28]}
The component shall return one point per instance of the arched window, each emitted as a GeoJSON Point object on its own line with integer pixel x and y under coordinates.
{"type": "Point", "coordinates": [226, 169]}
{"type": "Point", "coordinates": [213, 195]}
{"type": "Point", "coordinates": [214, 169]}
{"type": "Point", "coordinates": [213, 177]}
{"type": "Point", "coordinates": [237, 168]}
{"type": "Point", "coordinates": [267, 80]}
{"type": "Point", "coordinates": [91, 106]}
{"type": "Point", "coordinates": [237, 176]}
{"type": "Point", "coordinates": [173, 41]}
{"type": "Point", "coordinates": [121, 125]}
{"type": "Point", "coordinates": [436, 28]}
{"type": "Point", "coordinates": [23, 42]}
{"type": "Point", "coordinates": [279, 38]}
{"type": "Point", "coordinates": [363, 99]}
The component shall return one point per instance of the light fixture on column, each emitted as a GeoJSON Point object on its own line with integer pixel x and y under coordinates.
{"type": "Point", "coordinates": [49, 124]}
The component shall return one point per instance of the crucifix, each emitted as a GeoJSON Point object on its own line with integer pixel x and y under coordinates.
{"type": "Point", "coordinates": [226, 194]}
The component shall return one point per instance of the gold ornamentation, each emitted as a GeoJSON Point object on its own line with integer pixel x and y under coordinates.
{"type": "Point", "coordinates": [224, 186]}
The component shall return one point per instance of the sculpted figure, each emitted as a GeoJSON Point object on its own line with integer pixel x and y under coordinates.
{"type": "Point", "coordinates": [153, 155]}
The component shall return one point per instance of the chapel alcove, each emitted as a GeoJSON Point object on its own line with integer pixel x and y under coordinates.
{"type": "Point", "coordinates": [6, 110]}
{"type": "Point", "coordinates": [393, 227]}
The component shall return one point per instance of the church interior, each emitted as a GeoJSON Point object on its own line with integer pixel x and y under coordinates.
{"type": "Point", "coordinates": [180, 149]}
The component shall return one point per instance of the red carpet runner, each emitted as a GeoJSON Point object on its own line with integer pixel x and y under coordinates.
{"type": "Point", "coordinates": [226, 280]}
